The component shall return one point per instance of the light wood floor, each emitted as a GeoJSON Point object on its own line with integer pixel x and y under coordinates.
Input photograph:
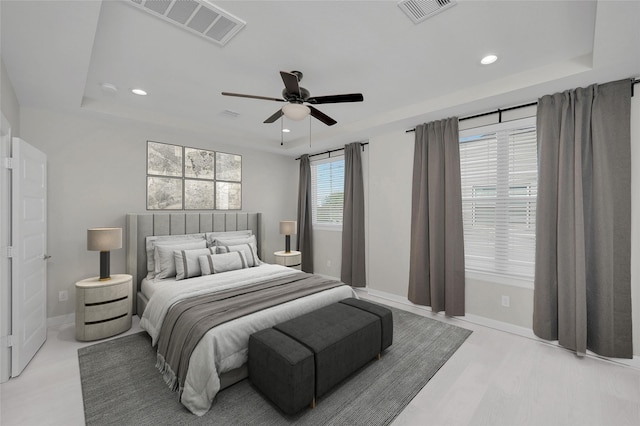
{"type": "Point", "coordinates": [495, 378]}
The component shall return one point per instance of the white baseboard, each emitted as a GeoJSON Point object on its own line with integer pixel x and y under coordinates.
{"type": "Point", "coordinates": [491, 323]}
{"type": "Point", "coordinates": [61, 319]}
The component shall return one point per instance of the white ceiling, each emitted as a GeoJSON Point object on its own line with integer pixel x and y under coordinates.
{"type": "Point", "coordinates": [59, 53]}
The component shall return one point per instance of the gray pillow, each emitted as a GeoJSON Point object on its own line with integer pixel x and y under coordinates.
{"type": "Point", "coordinates": [165, 263]}
{"type": "Point", "coordinates": [187, 264]}
{"type": "Point", "coordinates": [217, 263]}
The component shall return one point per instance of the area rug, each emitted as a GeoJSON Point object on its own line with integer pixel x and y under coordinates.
{"type": "Point", "coordinates": [120, 384]}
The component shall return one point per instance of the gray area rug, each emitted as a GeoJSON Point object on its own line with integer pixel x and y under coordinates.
{"type": "Point", "coordinates": [120, 384]}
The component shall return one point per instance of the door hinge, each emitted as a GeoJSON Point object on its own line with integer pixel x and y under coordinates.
{"type": "Point", "coordinates": [7, 341]}
{"type": "Point", "coordinates": [9, 253]}
{"type": "Point", "coordinates": [8, 163]}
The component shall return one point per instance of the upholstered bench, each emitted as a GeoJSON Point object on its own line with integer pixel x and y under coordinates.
{"type": "Point", "coordinates": [300, 360]}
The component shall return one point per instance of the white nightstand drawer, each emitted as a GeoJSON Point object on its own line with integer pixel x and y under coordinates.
{"type": "Point", "coordinates": [106, 294]}
{"type": "Point", "coordinates": [293, 259]}
{"type": "Point", "coordinates": [105, 311]}
{"type": "Point", "coordinates": [101, 330]}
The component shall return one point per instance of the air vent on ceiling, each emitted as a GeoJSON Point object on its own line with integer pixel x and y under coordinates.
{"type": "Point", "coordinates": [196, 16]}
{"type": "Point", "coordinates": [419, 10]}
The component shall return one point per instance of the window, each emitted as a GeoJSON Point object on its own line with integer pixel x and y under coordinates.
{"type": "Point", "coordinates": [327, 188]}
{"type": "Point", "coordinates": [498, 170]}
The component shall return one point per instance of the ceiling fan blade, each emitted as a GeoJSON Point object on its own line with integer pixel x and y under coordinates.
{"type": "Point", "coordinates": [240, 95]}
{"type": "Point", "coordinates": [274, 117]}
{"type": "Point", "coordinates": [334, 99]}
{"type": "Point", "coordinates": [291, 82]}
{"type": "Point", "coordinates": [322, 116]}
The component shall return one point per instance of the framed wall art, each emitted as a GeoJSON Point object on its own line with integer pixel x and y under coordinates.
{"type": "Point", "coordinates": [184, 178]}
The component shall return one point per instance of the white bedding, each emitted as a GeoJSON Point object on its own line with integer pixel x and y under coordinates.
{"type": "Point", "coordinates": [224, 347]}
{"type": "Point", "coordinates": [149, 286]}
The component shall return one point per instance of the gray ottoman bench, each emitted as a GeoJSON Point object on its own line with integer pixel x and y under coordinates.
{"type": "Point", "coordinates": [300, 360]}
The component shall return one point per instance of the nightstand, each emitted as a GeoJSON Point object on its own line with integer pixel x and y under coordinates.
{"type": "Point", "coordinates": [293, 259]}
{"type": "Point", "coordinates": [103, 308]}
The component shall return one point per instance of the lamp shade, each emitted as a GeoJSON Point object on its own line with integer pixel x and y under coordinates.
{"type": "Point", "coordinates": [288, 227]}
{"type": "Point", "coordinates": [295, 111]}
{"type": "Point", "coordinates": [104, 239]}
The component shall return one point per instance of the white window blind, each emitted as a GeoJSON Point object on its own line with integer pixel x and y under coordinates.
{"type": "Point", "coordinates": [327, 187]}
{"type": "Point", "coordinates": [498, 170]}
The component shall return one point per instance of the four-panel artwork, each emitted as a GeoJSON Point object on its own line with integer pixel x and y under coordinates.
{"type": "Point", "coordinates": [183, 178]}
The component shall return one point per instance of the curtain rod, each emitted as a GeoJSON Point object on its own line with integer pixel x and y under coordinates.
{"type": "Point", "coordinates": [362, 144]}
{"type": "Point", "coordinates": [499, 111]}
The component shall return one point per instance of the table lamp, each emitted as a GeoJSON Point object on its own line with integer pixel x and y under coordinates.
{"type": "Point", "coordinates": [287, 228]}
{"type": "Point", "coordinates": [104, 240]}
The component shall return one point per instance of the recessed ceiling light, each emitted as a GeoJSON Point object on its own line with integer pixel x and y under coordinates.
{"type": "Point", "coordinates": [285, 130]}
{"type": "Point", "coordinates": [489, 59]}
{"type": "Point", "coordinates": [139, 92]}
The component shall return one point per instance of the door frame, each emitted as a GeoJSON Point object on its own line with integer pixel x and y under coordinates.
{"type": "Point", "coordinates": [5, 242]}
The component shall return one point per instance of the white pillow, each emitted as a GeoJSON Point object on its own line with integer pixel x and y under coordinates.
{"type": "Point", "coordinates": [212, 236]}
{"type": "Point", "coordinates": [217, 263]}
{"type": "Point", "coordinates": [150, 245]}
{"type": "Point", "coordinates": [187, 264]}
{"type": "Point", "coordinates": [248, 249]}
{"type": "Point", "coordinates": [165, 263]}
{"type": "Point", "coordinates": [234, 240]}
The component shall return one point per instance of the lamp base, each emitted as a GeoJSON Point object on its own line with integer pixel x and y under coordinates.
{"type": "Point", "coordinates": [287, 243]}
{"type": "Point", "coordinates": [105, 261]}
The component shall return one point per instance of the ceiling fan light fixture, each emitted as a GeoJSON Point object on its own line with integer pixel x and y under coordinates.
{"type": "Point", "coordinates": [489, 59]}
{"type": "Point", "coordinates": [295, 112]}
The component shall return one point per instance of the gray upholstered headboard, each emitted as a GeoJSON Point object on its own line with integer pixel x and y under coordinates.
{"type": "Point", "coordinates": [140, 226]}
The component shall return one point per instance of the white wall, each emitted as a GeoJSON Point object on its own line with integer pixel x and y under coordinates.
{"type": "Point", "coordinates": [8, 100]}
{"type": "Point", "coordinates": [390, 176]}
{"type": "Point", "coordinates": [327, 252]}
{"type": "Point", "coordinates": [97, 174]}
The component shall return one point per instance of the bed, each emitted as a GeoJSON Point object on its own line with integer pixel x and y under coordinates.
{"type": "Point", "coordinates": [218, 360]}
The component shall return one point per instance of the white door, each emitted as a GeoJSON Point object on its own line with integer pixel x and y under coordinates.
{"type": "Point", "coordinates": [29, 259]}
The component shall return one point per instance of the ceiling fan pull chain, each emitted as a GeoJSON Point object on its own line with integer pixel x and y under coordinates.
{"type": "Point", "coordinates": [281, 131]}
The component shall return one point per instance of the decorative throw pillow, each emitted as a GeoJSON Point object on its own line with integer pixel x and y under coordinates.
{"type": "Point", "coordinates": [152, 240]}
{"type": "Point", "coordinates": [249, 251]}
{"type": "Point", "coordinates": [164, 260]}
{"type": "Point", "coordinates": [217, 263]}
{"type": "Point", "coordinates": [187, 263]}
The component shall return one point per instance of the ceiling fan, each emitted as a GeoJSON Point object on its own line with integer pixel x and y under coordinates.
{"type": "Point", "coordinates": [297, 96]}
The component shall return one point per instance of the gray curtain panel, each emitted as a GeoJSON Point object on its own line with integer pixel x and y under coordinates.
{"type": "Point", "coordinates": [305, 233]}
{"type": "Point", "coordinates": [353, 262]}
{"type": "Point", "coordinates": [582, 295]}
{"type": "Point", "coordinates": [436, 264]}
